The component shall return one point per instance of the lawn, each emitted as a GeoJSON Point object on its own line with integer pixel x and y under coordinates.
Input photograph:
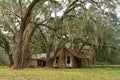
{"type": "Point", "coordinates": [60, 74]}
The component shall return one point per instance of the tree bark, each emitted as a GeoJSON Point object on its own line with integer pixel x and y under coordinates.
{"type": "Point", "coordinates": [62, 58]}
{"type": "Point", "coordinates": [48, 56]}
{"type": "Point", "coordinates": [18, 64]}
{"type": "Point", "coordinates": [48, 59]}
{"type": "Point", "coordinates": [7, 49]}
{"type": "Point", "coordinates": [9, 55]}
{"type": "Point", "coordinates": [11, 60]}
{"type": "Point", "coordinates": [18, 54]}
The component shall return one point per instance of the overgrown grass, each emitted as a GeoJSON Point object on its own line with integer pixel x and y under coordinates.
{"type": "Point", "coordinates": [60, 74]}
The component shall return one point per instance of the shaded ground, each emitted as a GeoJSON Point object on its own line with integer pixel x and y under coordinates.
{"type": "Point", "coordinates": [60, 74]}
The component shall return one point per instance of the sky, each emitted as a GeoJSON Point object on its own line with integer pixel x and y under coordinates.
{"type": "Point", "coordinates": [118, 11]}
{"type": "Point", "coordinates": [60, 13]}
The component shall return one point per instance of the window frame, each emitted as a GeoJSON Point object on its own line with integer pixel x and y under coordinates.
{"type": "Point", "coordinates": [68, 59]}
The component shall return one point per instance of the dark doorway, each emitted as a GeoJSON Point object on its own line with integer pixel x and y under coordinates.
{"type": "Point", "coordinates": [57, 59]}
{"type": "Point", "coordinates": [78, 62]}
{"type": "Point", "coordinates": [41, 63]}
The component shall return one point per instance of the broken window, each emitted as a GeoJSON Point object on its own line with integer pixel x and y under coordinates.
{"type": "Point", "coordinates": [68, 59]}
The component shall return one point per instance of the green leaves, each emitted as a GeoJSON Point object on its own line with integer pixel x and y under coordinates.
{"type": "Point", "coordinates": [36, 48]}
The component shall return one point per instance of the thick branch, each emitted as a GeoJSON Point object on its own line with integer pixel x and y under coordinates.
{"type": "Point", "coordinates": [26, 19]}
{"type": "Point", "coordinates": [72, 6]}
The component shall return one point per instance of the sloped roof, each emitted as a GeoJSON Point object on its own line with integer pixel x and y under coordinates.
{"type": "Point", "coordinates": [77, 54]}
{"type": "Point", "coordinates": [39, 56]}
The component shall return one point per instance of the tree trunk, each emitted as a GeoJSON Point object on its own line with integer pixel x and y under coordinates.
{"type": "Point", "coordinates": [62, 58]}
{"type": "Point", "coordinates": [7, 49]}
{"type": "Point", "coordinates": [48, 60]}
{"type": "Point", "coordinates": [48, 57]}
{"type": "Point", "coordinates": [18, 53]}
{"type": "Point", "coordinates": [11, 60]}
{"type": "Point", "coordinates": [10, 57]}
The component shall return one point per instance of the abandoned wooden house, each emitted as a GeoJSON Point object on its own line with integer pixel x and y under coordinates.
{"type": "Point", "coordinates": [64, 58]}
{"type": "Point", "coordinates": [37, 60]}
{"type": "Point", "coordinates": [68, 58]}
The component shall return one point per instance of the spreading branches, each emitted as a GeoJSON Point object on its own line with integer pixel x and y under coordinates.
{"type": "Point", "coordinates": [72, 6]}
{"type": "Point", "coordinates": [27, 18]}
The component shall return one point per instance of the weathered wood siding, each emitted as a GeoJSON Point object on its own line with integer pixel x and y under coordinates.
{"type": "Point", "coordinates": [31, 63]}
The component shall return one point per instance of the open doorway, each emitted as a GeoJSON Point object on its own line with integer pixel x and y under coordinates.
{"type": "Point", "coordinates": [78, 62]}
{"type": "Point", "coordinates": [41, 63]}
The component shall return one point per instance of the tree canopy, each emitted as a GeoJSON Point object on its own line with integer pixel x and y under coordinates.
{"type": "Point", "coordinates": [34, 26]}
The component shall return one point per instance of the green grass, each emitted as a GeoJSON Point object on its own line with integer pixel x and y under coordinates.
{"type": "Point", "coordinates": [60, 74]}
